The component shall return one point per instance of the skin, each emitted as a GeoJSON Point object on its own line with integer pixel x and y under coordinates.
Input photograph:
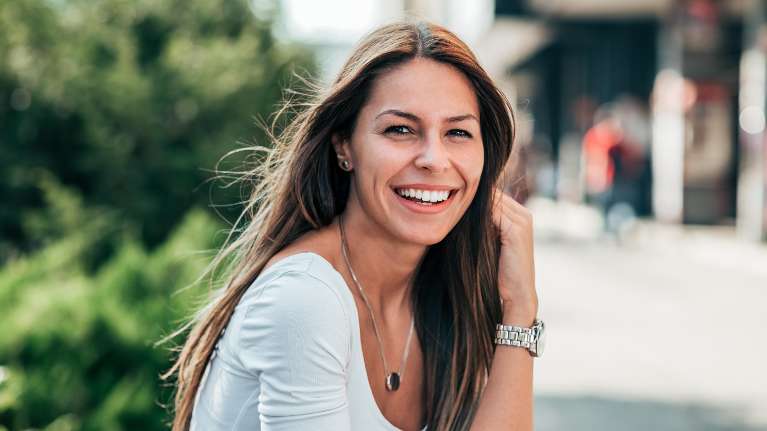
{"type": "Point", "coordinates": [421, 125]}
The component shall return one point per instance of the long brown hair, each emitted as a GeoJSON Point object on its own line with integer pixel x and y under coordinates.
{"type": "Point", "coordinates": [299, 187]}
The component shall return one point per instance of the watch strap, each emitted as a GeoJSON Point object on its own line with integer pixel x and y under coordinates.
{"type": "Point", "coordinates": [517, 336]}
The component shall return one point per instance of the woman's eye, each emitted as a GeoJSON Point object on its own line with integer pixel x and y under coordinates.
{"type": "Point", "coordinates": [460, 133]}
{"type": "Point", "coordinates": [398, 130]}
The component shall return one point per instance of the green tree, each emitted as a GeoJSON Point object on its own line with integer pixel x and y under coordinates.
{"type": "Point", "coordinates": [130, 104]}
{"type": "Point", "coordinates": [112, 114]}
{"type": "Point", "coordinates": [77, 349]}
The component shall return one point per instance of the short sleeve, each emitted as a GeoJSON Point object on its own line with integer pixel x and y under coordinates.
{"type": "Point", "coordinates": [295, 336]}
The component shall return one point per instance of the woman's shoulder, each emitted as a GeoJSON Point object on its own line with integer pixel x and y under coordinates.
{"type": "Point", "coordinates": [304, 268]}
{"type": "Point", "coordinates": [298, 278]}
{"type": "Point", "coordinates": [295, 303]}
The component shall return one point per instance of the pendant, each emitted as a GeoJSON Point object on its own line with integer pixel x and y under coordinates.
{"type": "Point", "coordinates": [392, 382]}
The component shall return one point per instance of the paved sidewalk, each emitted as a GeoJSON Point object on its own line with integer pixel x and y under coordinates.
{"type": "Point", "coordinates": [663, 330]}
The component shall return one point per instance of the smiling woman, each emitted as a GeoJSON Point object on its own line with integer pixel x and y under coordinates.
{"type": "Point", "coordinates": [419, 130]}
{"type": "Point", "coordinates": [366, 288]}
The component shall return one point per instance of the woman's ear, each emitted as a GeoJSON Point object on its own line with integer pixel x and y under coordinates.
{"type": "Point", "coordinates": [340, 145]}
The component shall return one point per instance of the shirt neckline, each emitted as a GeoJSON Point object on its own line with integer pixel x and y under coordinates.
{"type": "Point", "coordinates": [347, 292]}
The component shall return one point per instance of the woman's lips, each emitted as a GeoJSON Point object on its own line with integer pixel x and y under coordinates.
{"type": "Point", "coordinates": [425, 208]}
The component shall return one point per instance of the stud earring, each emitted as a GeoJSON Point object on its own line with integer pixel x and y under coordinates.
{"type": "Point", "coordinates": [345, 165]}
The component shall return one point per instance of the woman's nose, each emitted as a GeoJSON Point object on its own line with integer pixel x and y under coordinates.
{"type": "Point", "coordinates": [434, 155]}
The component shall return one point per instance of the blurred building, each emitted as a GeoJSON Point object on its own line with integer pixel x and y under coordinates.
{"type": "Point", "coordinates": [332, 27]}
{"type": "Point", "coordinates": [655, 103]}
{"type": "Point", "coordinates": [652, 105]}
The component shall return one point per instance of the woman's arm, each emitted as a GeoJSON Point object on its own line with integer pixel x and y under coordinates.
{"type": "Point", "coordinates": [507, 401]}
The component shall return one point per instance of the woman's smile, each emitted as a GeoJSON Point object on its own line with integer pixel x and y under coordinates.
{"type": "Point", "coordinates": [424, 199]}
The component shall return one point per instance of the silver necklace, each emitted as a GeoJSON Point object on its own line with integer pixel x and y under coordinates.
{"type": "Point", "coordinates": [392, 379]}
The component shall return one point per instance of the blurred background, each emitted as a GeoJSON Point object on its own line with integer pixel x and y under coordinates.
{"type": "Point", "coordinates": [640, 149]}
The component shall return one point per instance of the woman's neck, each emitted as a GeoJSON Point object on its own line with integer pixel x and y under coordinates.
{"type": "Point", "coordinates": [384, 267]}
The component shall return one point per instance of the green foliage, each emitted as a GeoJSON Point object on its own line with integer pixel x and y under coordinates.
{"type": "Point", "coordinates": [76, 350]}
{"type": "Point", "coordinates": [130, 103]}
{"type": "Point", "coordinates": [112, 114]}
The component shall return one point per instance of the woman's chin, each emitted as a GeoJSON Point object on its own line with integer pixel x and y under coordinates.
{"type": "Point", "coordinates": [420, 237]}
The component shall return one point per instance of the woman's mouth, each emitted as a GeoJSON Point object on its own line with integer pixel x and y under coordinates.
{"type": "Point", "coordinates": [423, 200]}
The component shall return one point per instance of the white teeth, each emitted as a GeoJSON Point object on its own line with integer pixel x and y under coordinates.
{"type": "Point", "coordinates": [425, 195]}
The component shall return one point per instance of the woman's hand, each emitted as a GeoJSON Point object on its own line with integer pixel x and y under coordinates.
{"type": "Point", "coordinates": [516, 266]}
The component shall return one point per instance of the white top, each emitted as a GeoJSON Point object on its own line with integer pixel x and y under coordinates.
{"type": "Point", "coordinates": [291, 357]}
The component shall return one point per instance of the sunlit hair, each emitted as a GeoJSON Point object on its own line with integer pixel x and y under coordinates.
{"type": "Point", "coordinates": [299, 187]}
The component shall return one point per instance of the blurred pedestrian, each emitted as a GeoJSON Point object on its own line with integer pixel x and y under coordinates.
{"type": "Point", "coordinates": [599, 153]}
{"type": "Point", "coordinates": [615, 154]}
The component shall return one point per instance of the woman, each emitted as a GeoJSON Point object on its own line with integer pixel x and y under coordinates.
{"type": "Point", "coordinates": [379, 258]}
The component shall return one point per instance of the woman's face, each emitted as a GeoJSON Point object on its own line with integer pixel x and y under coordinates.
{"type": "Point", "coordinates": [417, 137]}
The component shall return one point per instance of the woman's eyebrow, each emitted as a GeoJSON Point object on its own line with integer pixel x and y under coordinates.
{"type": "Point", "coordinates": [462, 117]}
{"type": "Point", "coordinates": [399, 113]}
{"type": "Point", "coordinates": [413, 117]}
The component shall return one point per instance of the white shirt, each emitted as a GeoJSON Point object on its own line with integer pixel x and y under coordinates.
{"type": "Point", "coordinates": [291, 357]}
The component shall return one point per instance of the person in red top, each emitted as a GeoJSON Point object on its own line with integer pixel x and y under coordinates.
{"type": "Point", "coordinates": [598, 142]}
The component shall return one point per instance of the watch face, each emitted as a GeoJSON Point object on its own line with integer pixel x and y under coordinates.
{"type": "Point", "coordinates": [540, 343]}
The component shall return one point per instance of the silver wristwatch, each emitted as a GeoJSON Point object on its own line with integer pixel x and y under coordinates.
{"type": "Point", "coordinates": [533, 339]}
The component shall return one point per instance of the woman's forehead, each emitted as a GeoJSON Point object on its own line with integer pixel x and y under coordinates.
{"type": "Point", "coordinates": [424, 87]}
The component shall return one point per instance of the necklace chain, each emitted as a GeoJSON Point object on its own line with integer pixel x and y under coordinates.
{"type": "Point", "coordinates": [401, 371]}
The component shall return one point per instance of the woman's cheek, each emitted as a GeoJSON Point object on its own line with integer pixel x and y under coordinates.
{"type": "Point", "coordinates": [472, 163]}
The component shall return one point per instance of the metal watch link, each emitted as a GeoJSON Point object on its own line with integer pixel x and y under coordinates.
{"type": "Point", "coordinates": [533, 339]}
